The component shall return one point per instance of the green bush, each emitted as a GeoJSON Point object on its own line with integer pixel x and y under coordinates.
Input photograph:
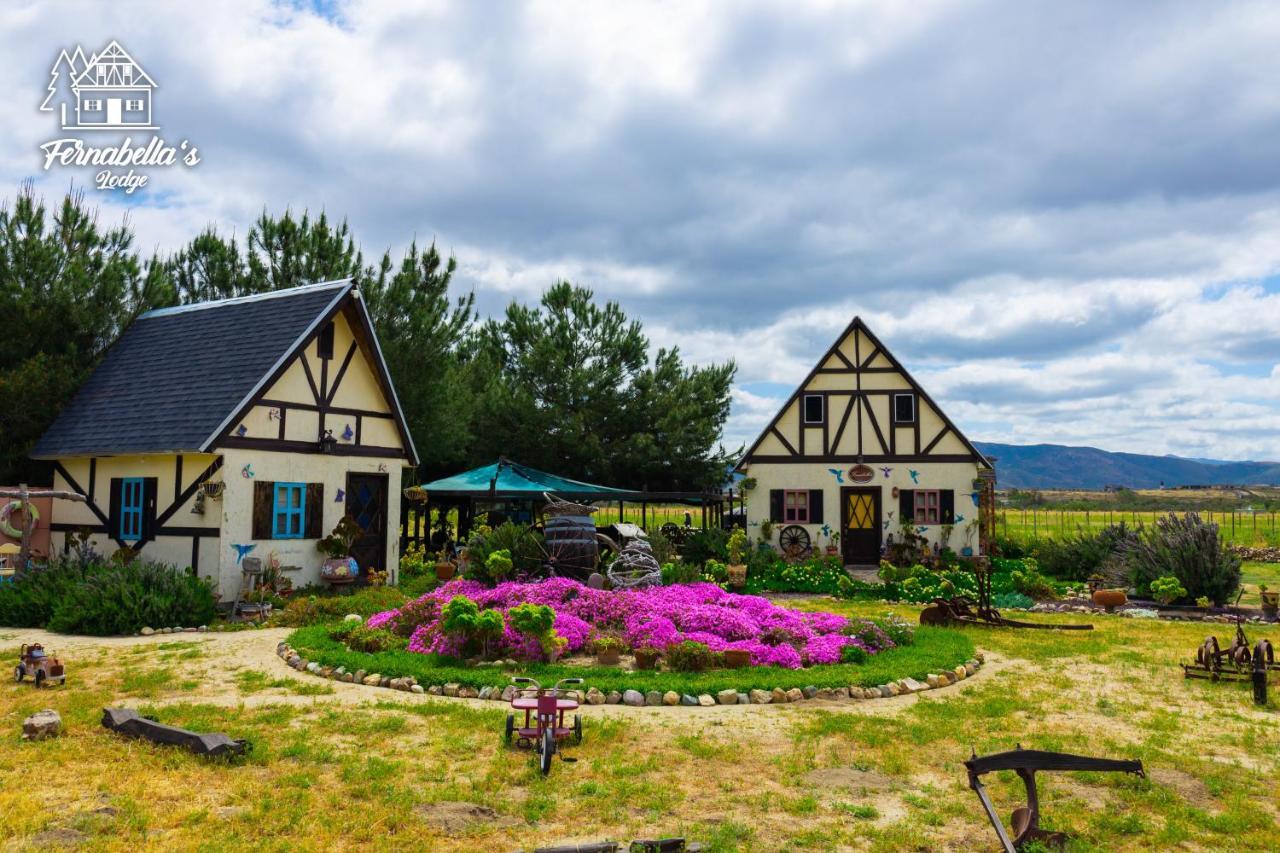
{"type": "Point", "coordinates": [330, 605]}
{"type": "Point", "coordinates": [116, 599]}
{"type": "Point", "coordinates": [1190, 550]}
{"type": "Point", "coordinates": [853, 654]}
{"type": "Point", "coordinates": [1012, 601]}
{"type": "Point", "coordinates": [663, 549]}
{"type": "Point", "coordinates": [499, 564]}
{"type": "Point", "coordinates": [28, 601]}
{"type": "Point", "coordinates": [1083, 554]}
{"type": "Point", "coordinates": [689, 656]}
{"type": "Point", "coordinates": [522, 543]}
{"type": "Point", "coordinates": [768, 572]}
{"type": "Point", "coordinates": [680, 572]}
{"type": "Point", "coordinates": [1167, 590]}
{"type": "Point", "coordinates": [360, 638]}
{"type": "Point", "coordinates": [709, 544]}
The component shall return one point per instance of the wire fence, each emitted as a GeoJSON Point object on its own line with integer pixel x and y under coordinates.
{"type": "Point", "coordinates": [1240, 527]}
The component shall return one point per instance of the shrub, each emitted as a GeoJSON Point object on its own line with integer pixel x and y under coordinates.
{"type": "Point", "coordinates": [1010, 548]}
{"type": "Point", "coordinates": [414, 563]}
{"type": "Point", "coordinates": [1077, 557]}
{"type": "Point", "coordinates": [736, 546]}
{"type": "Point", "coordinates": [1167, 590]}
{"type": "Point", "coordinates": [689, 656]}
{"type": "Point", "coordinates": [123, 599]}
{"type": "Point", "coordinates": [1189, 549]}
{"type": "Point", "coordinates": [709, 544]}
{"type": "Point", "coordinates": [663, 549]}
{"type": "Point", "coordinates": [331, 605]}
{"type": "Point", "coordinates": [499, 564]}
{"type": "Point", "coordinates": [853, 654]}
{"type": "Point", "coordinates": [1012, 601]}
{"type": "Point", "coordinates": [29, 599]}
{"type": "Point", "coordinates": [361, 638]}
{"type": "Point", "coordinates": [522, 543]}
{"type": "Point", "coordinates": [475, 628]}
{"type": "Point", "coordinates": [680, 572]}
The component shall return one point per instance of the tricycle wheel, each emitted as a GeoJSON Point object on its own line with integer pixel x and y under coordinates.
{"type": "Point", "coordinates": [511, 728]}
{"type": "Point", "coordinates": [39, 676]}
{"type": "Point", "coordinates": [18, 672]}
{"type": "Point", "coordinates": [577, 728]}
{"type": "Point", "coordinates": [546, 749]}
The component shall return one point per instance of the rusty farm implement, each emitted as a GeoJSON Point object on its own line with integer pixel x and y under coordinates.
{"type": "Point", "coordinates": [963, 610]}
{"type": "Point", "coordinates": [1236, 662]}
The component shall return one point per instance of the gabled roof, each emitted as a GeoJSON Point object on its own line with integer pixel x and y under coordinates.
{"type": "Point", "coordinates": [515, 481]}
{"type": "Point", "coordinates": [113, 58]}
{"type": "Point", "coordinates": [833, 351]}
{"type": "Point", "coordinates": [178, 376]}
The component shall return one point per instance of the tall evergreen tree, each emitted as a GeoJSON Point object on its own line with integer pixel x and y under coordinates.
{"type": "Point", "coordinates": [568, 386]}
{"type": "Point", "coordinates": [67, 288]}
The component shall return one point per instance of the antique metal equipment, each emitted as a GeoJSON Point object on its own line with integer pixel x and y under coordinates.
{"type": "Point", "coordinates": [127, 722]}
{"type": "Point", "coordinates": [640, 845]}
{"type": "Point", "coordinates": [960, 609]}
{"type": "Point", "coordinates": [794, 542]}
{"type": "Point", "coordinates": [1026, 763]}
{"type": "Point", "coordinates": [1236, 662]}
{"type": "Point", "coordinates": [43, 669]}
{"type": "Point", "coordinates": [544, 724]}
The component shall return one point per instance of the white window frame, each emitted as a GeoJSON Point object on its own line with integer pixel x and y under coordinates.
{"type": "Point", "coordinates": [914, 412]}
{"type": "Point", "coordinates": [93, 104]}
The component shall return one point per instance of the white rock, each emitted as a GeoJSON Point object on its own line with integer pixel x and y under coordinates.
{"type": "Point", "coordinates": [41, 725]}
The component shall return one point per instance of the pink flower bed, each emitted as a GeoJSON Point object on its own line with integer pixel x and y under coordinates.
{"type": "Point", "coordinates": [655, 616]}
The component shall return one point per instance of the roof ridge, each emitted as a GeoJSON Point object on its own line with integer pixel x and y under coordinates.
{"type": "Point", "coordinates": [240, 300]}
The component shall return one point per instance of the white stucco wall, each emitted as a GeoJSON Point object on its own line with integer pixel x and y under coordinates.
{"type": "Point", "coordinates": [956, 476]}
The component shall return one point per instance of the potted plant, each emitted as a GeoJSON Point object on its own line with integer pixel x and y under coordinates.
{"type": "Point", "coordinates": [970, 528]}
{"type": "Point", "coordinates": [646, 657]}
{"type": "Point", "coordinates": [833, 544]}
{"type": "Point", "coordinates": [445, 569]}
{"type": "Point", "coordinates": [737, 569]}
{"type": "Point", "coordinates": [737, 658]}
{"type": "Point", "coordinates": [607, 648]}
{"type": "Point", "coordinates": [340, 567]}
{"type": "Point", "coordinates": [1270, 600]}
{"type": "Point", "coordinates": [766, 533]}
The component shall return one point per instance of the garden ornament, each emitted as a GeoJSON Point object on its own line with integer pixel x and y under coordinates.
{"type": "Point", "coordinates": [915, 475]}
{"type": "Point", "coordinates": [43, 669]}
{"type": "Point", "coordinates": [839, 474]}
{"type": "Point", "coordinates": [1026, 763]}
{"type": "Point", "coordinates": [887, 471]}
{"type": "Point", "coordinates": [242, 550]}
{"type": "Point", "coordinates": [636, 566]}
{"type": "Point", "coordinates": [127, 722]}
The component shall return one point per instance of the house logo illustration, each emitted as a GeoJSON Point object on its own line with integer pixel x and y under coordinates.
{"type": "Point", "coordinates": [109, 91]}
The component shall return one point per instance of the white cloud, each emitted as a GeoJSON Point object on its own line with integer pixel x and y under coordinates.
{"type": "Point", "coordinates": [1064, 218]}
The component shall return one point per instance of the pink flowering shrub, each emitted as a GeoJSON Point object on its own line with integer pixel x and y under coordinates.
{"type": "Point", "coordinates": [660, 617]}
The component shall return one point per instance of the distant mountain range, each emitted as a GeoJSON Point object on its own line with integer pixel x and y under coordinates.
{"type": "Point", "coordinates": [1056, 466]}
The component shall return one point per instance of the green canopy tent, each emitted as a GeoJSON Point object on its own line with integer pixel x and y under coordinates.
{"type": "Point", "coordinates": [518, 491]}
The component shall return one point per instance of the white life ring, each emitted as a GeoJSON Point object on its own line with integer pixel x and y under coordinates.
{"type": "Point", "coordinates": [7, 510]}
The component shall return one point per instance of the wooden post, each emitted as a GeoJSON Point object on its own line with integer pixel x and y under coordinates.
{"type": "Point", "coordinates": [24, 495]}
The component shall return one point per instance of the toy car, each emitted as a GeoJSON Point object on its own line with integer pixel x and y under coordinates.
{"type": "Point", "coordinates": [42, 668]}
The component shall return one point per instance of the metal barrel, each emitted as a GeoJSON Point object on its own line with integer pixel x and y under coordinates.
{"type": "Point", "coordinates": [570, 541]}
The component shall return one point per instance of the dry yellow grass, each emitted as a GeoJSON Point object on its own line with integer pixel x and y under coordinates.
{"type": "Point", "coordinates": [360, 768]}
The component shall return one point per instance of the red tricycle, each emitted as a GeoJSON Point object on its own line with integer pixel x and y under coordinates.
{"type": "Point", "coordinates": [544, 725]}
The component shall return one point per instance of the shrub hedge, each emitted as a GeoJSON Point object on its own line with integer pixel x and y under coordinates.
{"type": "Point", "coordinates": [934, 649]}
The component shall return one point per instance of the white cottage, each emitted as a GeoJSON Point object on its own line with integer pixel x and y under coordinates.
{"type": "Point", "coordinates": [858, 448]}
{"type": "Point", "coordinates": [247, 425]}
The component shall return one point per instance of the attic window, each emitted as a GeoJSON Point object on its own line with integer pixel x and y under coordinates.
{"type": "Point", "coordinates": [324, 345]}
{"type": "Point", "coordinates": [814, 408]}
{"type": "Point", "coordinates": [904, 408]}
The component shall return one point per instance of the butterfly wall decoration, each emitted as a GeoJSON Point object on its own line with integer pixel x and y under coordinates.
{"type": "Point", "coordinates": [915, 475]}
{"type": "Point", "coordinates": [247, 471]}
{"type": "Point", "coordinates": [242, 551]}
{"type": "Point", "coordinates": [973, 496]}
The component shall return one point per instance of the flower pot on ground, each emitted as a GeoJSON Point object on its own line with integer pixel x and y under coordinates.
{"type": "Point", "coordinates": [1110, 599]}
{"type": "Point", "coordinates": [646, 658]}
{"type": "Point", "coordinates": [737, 575]}
{"type": "Point", "coordinates": [340, 567]}
{"type": "Point", "coordinates": [737, 658]}
{"type": "Point", "coordinates": [607, 649]}
{"type": "Point", "coordinates": [445, 569]}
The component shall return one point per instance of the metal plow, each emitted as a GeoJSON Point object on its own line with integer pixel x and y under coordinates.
{"type": "Point", "coordinates": [1236, 662]}
{"type": "Point", "coordinates": [1026, 763]}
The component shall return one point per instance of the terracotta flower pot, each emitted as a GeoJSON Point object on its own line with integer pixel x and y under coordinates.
{"type": "Point", "coordinates": [737, 575]}
{"type": "Point", "coordinates": [1109, 598]}
{"type": "Point", "coordinates": [737, 658]}
{"type": "Point", "coordinates": [445, 571]}
{"type": "Point", "coordinates": [646, 658]}
{"type": "Point", "coordinates": [608, 657]}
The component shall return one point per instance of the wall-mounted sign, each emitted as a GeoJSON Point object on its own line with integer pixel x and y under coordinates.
{"type": "Point", "coordinates": [861, 474]}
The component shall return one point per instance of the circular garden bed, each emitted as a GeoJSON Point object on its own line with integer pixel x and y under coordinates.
{"type": "Point", "coordinates": [468, 639]}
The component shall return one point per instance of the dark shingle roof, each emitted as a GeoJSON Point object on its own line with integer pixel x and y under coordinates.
{"type": "Point", "coordinates": [177, 374]}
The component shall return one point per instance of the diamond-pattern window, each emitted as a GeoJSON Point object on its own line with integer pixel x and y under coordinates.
{"type": "Point", "coordinates": [862, 512]}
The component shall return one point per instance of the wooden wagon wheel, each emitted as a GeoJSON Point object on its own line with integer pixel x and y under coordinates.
{"type": "Point", "coordinates": [794, 541]}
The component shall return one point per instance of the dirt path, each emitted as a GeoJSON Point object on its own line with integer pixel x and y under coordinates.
{"type": "Point", "coordinates": [223, 655]}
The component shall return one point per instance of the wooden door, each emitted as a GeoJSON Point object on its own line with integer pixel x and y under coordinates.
{"type": "Point", "coordinates": [367, 504]}
{"type": "Point", "coordinates": [860, 514]}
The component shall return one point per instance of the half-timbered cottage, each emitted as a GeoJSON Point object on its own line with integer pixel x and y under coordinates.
{"type": "Point", "coordinates": [247, 425]}
{"type": "Point", "coordinates": [856, 450]}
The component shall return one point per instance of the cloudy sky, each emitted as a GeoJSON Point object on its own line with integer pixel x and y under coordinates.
{"type": "Point", "coordinates": [1063, 217]}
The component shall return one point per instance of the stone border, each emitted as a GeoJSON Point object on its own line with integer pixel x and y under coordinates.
{"type": "Point", "coordinates": [636, 698]}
